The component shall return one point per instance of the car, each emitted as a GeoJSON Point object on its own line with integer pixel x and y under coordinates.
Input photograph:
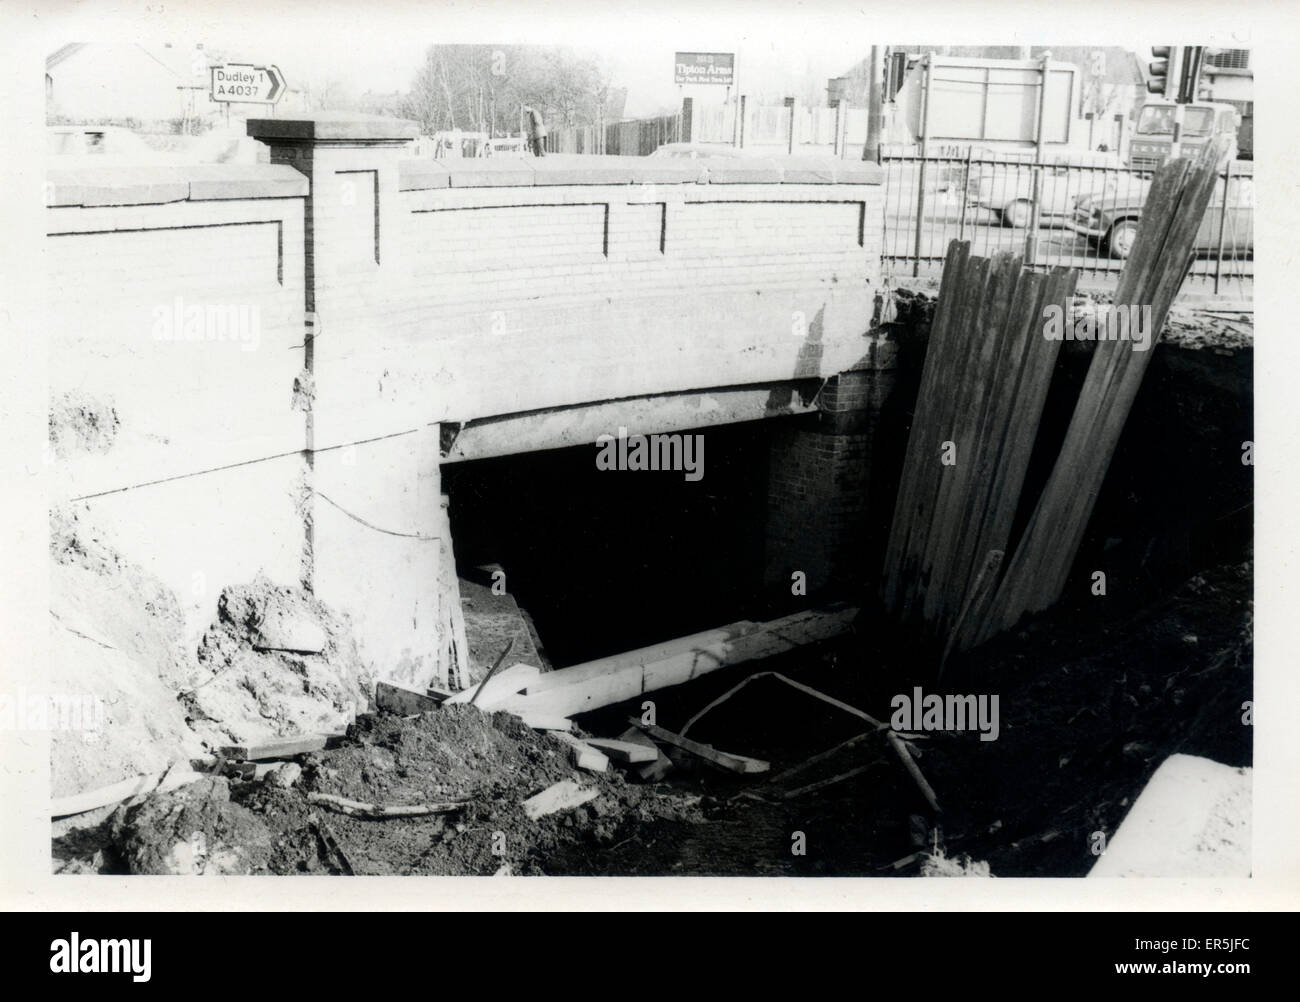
{"type": "Point", "coordinates": [106, 143]}
{"type": "Point", "coordinates": [1111, 221]}
{"type": "Point", "coordinates": [1006, 187]}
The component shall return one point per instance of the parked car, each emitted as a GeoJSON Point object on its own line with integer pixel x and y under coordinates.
{"type": "Point", "coordinates": [1111, 221]}
{"type": "Point", "coordinates": [1007, 187]}
{"type": "Point", "coordinates": [106, 143]}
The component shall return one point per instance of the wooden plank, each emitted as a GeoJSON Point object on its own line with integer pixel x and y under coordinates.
{"type": "Point", "coordinates": [356, 808]}
{"type": "Point", "coordinates": [453, 617]}
{"type": "Point", "coordinates": [954, 265]}
{"type": "Point", "coordinates": [275, 749]}
{"type": "Point", "coordinates": [911, 508]}
{"type": "Point", "coordinates": [732, 763]}
{"type": "Point", "coordinates": [629, 752]}
{"type": "Point", "coordinates": [563, 796]}
{"type": "Point", "coordinates": [593, 691]}
{"type": "Point", "coordinates": [89, 800]}
{"type": "Point", "coordinates": [935, 427]}
{"type": "Point", "coordinates": [539, 721]}
{"type": "Point", "coordinates": [966, 430]}
{"type": "Point", "coordinates": [1162, 254]}
{"type": "Point", "coordinates": [583, 755]}
{"type": "Point", "coordinates": [404, 702]}
{"type": "Point", "coordinates": [643, 656]}
{"type": "Point", "coordinates": [654, 771]}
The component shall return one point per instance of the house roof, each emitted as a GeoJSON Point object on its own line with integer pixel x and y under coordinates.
{"type": "Point", "coordinates": [62, 53]}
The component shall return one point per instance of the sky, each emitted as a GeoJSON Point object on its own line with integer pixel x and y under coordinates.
{"type": "Point", "coordinates": [380, 46]}
{"type": "Point", "coordinates": [789, 47]}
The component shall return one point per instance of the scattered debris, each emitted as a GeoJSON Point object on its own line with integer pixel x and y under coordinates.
{"type": "Point", "coordinates": [628, 752]}
{"type": "Point", "coordinates": [653, 771]}
{"type": "Point", "coordinates": [584, 755]}
{"type": "Point", "coordinates": [936, 864]}
{"type": "Point", "coordinates": [404, 702]}
{"type": "Point", "coordinates": [725, 760]}
{"type": "Point", "coordinates": [901, 752]}
{"type": "Point", "coordinates": [821, 784]}
{"type": "Point", "coordinates": [274, 749]}
{"type": "Point", "coordinates": [563, 796]}
{"type": "Point", "coordinates": [362, 810]}
{"type": "Point", "coordinates": [284, 775]}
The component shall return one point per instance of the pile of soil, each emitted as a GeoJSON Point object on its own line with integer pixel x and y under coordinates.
{"type": "Point", "coordinates": [240, 693]}
{"type": "Point", "coordinates": [117, 652]}
{"type": "Point", "coordinates": [493, 761]}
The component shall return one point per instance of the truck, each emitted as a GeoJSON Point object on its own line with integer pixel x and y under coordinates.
{"type": "Point", "coordinates": [1203, 122]}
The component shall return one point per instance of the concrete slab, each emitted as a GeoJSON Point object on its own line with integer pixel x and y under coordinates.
{"type": "Point", "coordinates": [117, 185]}
{"type": "Point", "coordinates": [218, 181]}
{"type": "Point", "coordinates": [489, 173]}
{"type": "Point", "coordinates": [727, 170]}
{"type": "Point", "coordinates": [331, 126]}
{"type": "Point", "coordinates": [1192, 820]}
{"type": "Point", "coordinates": [419, 175]}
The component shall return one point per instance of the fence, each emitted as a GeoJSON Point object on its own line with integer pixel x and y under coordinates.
{"type": "Point", "coordinates": [1072, 215]}
{"type": "Point", "coordinates": [766, 131]}
{"type": "Point", "coordinates": [637, 138]}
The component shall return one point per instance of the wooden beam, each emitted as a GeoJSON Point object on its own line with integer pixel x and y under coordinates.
{"type": "Point", "coordinates": [726, 760]}
{"type": "Point", "coordinates": [89, 800]}
{"type": "Point", "coordinates": [404, 702]}
{"type": "Point", "coordinates": [654, 771]}
{"type": "Point", "coordinates": [612, 680]}
{"type": "Point", "coordinates": [629, 752]}
{"type": "Point", "coordinates": [583, 755]}
{"type": "Point", "coordinates": [500, 687]}
{"type": "Point", "coordinates": [274, 749]}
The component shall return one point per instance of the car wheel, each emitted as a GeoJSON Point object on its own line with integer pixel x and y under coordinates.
{"type": "Point", "coordinates": [1119, 241]}
{"type": "Point", "coordinates": [1017, 214]}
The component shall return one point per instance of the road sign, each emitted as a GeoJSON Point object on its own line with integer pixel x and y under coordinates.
{"type": "Point", "coordinates": [245, 83]}
{"type": "Point", "coordinates": [705, 68]}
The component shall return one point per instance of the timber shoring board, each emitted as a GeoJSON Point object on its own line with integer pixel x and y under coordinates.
{"type": "Point", "coordinates": [1162, 253]}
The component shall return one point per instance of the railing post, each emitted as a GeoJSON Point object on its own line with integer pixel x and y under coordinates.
{"type": "Point", "coordinates": [965, 189]}
{"type": "Point", "coordinates": [1223, 220]}
{"type": "Point", "coordinates": [925, 152]}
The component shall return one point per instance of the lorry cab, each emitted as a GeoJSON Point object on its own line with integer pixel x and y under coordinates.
{"type": "Point", "coordinates": [1202, 121]}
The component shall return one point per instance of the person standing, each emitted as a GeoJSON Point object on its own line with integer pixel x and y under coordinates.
{"type": "Point", "coordinates": [536, 132]}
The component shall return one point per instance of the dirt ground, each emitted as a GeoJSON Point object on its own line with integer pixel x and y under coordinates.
{"type": "Point", "coordinates": [1089, 707]}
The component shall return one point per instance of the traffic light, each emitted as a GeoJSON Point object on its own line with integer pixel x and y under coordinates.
{"type": "Point", "coordinates": [1158, 69]}
{"type": "Point", "coordinates": [1193, 58]}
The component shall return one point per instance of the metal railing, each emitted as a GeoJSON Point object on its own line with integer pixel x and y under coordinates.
{"type": "Point", "coordinates": [1074, 215]}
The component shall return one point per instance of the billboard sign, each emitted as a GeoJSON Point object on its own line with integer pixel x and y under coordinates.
{"type": "Point", "coordinates": [705, 68]}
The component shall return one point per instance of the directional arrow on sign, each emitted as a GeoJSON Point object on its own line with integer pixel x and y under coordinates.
{"type": "Point", "coordinates": [277, 83]}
